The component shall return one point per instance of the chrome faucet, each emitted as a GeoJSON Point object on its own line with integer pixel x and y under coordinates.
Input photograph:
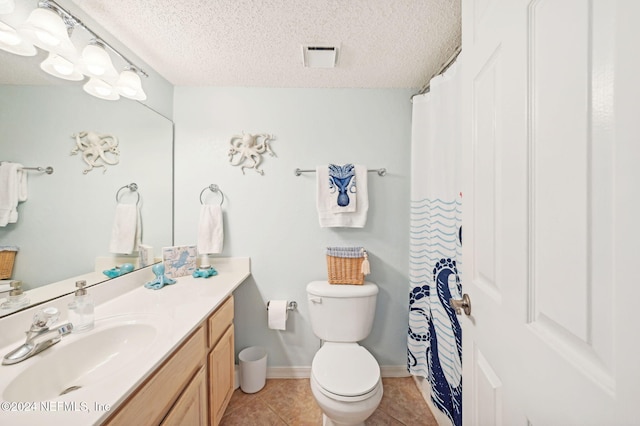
{"type": "Point", "coordinates": [40, 336]}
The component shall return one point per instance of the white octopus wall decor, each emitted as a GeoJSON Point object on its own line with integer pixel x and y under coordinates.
{"type": "Point", "coordinates": [249, 148]}
{"type": "Point", "coordinates": [97, 150]}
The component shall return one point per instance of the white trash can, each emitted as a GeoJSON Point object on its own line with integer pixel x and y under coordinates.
{"type": "Point", "coordinates": [253, 368]}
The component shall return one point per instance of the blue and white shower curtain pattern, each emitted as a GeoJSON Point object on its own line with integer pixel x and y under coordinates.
{"type": "Point", "coordinates": [434, 336]}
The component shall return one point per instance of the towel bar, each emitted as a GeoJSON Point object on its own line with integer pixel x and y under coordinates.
{"type": "Point", "coordinates": [381, 172]}
{"type": "Point", "coordinates": [48, 170]}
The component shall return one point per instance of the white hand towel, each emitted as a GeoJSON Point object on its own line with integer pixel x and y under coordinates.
{"type": "Point", "coordinates": [210, 233]}
{"type": "Point", "coordinates": [13, 190]}
{"type": "Point", "coordinates": [355, 219]}
{"type": "Point", "coordinates": [127, 230]}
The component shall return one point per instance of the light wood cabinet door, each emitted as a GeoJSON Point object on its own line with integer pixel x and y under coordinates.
{"type": "Point", "coordinates": [152, 401]}
{"type": "Point", "coordinates": [191, 408]}
{"type": "Point", "coordinates": [221, 375]}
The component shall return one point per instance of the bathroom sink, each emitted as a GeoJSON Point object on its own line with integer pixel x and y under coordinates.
{"type": "Point", "coordinates": [82, 361]}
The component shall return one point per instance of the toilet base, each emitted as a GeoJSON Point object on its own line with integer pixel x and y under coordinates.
{"type": "Point", "coordinates": [326, 421]}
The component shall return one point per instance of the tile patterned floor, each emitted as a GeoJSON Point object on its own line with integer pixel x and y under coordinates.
{"type": "Point", "coordinates": [290, 402]}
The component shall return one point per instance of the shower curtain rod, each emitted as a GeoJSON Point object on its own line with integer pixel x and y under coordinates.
{"type": "Point", "coordinates": [442, 69]}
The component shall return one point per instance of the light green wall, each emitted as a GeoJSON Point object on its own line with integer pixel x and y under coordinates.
{"type": "Point", "coordinates": [273, 219]}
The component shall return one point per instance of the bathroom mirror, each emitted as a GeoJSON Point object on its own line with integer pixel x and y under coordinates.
{"type": "Point", "coordinates": [66, 221]}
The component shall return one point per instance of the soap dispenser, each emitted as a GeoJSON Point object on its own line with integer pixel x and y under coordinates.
{"type": "Point", "coordinates": [81, 309]}
{"type": "Point", "coordinates": [16, 297]}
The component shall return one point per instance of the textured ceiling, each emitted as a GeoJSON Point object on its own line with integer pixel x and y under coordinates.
{"type": "Point", "coordinates": [382, 43]}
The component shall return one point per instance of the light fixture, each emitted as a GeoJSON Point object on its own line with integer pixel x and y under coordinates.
{"type": "Point", "coordinates": [129, 85]}
{"type": "Point", "coordinates": [49, 27]}
{"type": "Point", "coordinates": [100, 89]}
{"type": "Point", "coordinates": [96, 62]}
{"type": "Point", "coordinates": [7, 6]}
{"type": "Point", "coordinates": [11, 41]}
{"type": "Point", "coordinates": [46, 29]}
{"type": "Point", "coordinates": [60, 67]}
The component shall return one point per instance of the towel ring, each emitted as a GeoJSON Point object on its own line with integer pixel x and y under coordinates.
{"type": "Point", "coordinates": [133, 187]}
{"type": "Point", "coordinates": [213, 188]}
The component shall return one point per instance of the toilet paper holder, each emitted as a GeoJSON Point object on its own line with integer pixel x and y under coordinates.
{"type": "Point", "coordinates": [291, 306]}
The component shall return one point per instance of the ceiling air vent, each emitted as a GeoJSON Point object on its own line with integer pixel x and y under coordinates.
{"type": "Point", "coordinates": [319, 56]}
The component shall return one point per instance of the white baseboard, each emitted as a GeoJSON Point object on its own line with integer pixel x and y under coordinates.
{"type": "Point", "coordinates": [288, 372]}
{"type": "Point", "coordinates": [394, 371]}
{"type": "Point", "coordinates": [305, 372]}
{"type": "Point", "coordinates": [425, 390]}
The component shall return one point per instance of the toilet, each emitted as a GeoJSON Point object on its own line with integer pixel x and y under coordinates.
{"type": "Point", "coordinates": [345, 377]}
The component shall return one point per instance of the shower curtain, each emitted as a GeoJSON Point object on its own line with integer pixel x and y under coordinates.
{"type": "Point", "coordinates": [434, 337]}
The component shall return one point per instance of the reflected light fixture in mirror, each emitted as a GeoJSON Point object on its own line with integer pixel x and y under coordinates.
{"type": "Point", "coordinates": [11, 42]}
{"type": "Point", "coordinates": [96, 62]}
{"type": "Point", "coordinates": [7, 6]}
{"type": "Point", "coordinates": [46, 29]}
{"type": "Point", "coordinates": [101, 89]}
{"type": "Point", "coordinates": [130, 86]}
{"type": "Point", "coordinates": [60, 67]}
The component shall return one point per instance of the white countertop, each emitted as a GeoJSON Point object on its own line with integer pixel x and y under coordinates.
{"type": "Point", "coordinates": [180, 308]}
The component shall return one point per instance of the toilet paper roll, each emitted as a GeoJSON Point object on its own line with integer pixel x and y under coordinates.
{"type": "Point", "coordinates": [278, 314]}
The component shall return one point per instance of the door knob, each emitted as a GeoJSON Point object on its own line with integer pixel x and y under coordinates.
{"type": "Point", "coordinates": [464, 304]}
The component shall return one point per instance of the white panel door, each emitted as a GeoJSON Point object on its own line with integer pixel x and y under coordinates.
{"type": "Point", "coordinates": [552, 192]}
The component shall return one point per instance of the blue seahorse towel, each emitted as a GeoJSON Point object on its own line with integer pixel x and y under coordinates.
{"type": "Point", "coordinates": [342, 198]}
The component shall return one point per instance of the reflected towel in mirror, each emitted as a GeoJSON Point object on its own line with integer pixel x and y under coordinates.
{"type": "Point", "coordinates": [127, 229]}
{"type": "Point", "coordinates": [13, 190]}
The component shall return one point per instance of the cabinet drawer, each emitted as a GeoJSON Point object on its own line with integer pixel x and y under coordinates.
{"type": "Point", "coordinates": [220, 320]}
{"type": "Point", "coordinates": [152, 401]}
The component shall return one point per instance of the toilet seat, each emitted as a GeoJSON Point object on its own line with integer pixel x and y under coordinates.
{"type": "Point", "coordinates": [345, 371]}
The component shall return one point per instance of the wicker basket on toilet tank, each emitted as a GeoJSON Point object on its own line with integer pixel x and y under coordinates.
{"type": "Point", "coordinates": [7, 259]}
{"type": "Point", "coordinates": [347, 265]}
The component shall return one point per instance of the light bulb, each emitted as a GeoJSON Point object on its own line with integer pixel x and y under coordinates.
{"type": "Point", "coordinates": [64, 69]}
{"type": "Point", "coordinates": [103, 90]}
{"type": "Point", "coordinates": [7, 6]}
{"type": "Point", "coordinates": [100, 89]}
{"type": "Point", "coordinates": [127, 91]}
{"type": "Point", "coordinates": [9, 38]}
{"type": "Point", "coordinates": [130, 86]}
{"type": "Point", "coordinates": [47, 30]}
{"type": "Point", "coordinates": [60, 67]}
{"type": "Point", "coordinates": [95, 69]}
{"type": "Point", "coordinates": [11, 41]}
{"type": "Point", "coordinates": [97, 62]}
{"type": "Point", "coordinates": [47, 38]}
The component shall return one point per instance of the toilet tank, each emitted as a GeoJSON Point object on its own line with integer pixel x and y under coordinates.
{"type": "Point", "coordinates": [341, 312]}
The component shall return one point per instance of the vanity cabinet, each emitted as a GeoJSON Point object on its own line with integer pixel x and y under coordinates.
{"type": "Point", "coordinates": [194, 386]}
{"type": "Point", "coordinates": [221, 360]}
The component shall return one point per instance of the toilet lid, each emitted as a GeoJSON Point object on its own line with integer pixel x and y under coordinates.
{"type": "Point", "coordinates": [345, 369]}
